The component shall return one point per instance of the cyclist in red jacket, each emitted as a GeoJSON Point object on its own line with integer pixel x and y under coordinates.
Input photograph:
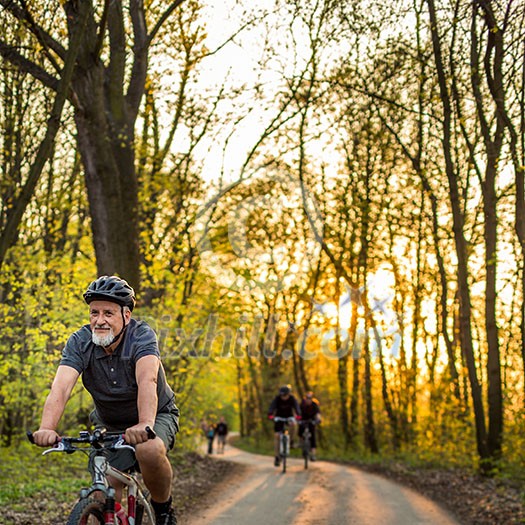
{"type": "Point", "coordinates": [311, 415]}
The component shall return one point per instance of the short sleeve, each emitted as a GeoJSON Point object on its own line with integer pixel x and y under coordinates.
{"type": "Point", "coordinates": [140, 341]}
{"type": "Point", "coordinates": [71, 354]}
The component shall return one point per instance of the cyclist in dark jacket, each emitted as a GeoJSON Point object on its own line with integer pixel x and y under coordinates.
{"type": "Point", "coordinates": [283, 405]}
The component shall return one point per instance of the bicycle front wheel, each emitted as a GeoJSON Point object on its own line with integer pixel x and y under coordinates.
{"type": "Point", "coordinates": [306, 449]}
{"type": "Point", "coordinates": [87, 512]}
{"type": "Point", "coordinates": [285, 451]}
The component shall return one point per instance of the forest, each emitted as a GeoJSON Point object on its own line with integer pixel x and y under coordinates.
{"type": "Point", "coordinates": [324, 194]}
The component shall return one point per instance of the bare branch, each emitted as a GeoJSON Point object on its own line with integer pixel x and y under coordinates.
{"type": "Point", "coordinates": [12, 55]}
{"type": "Point", "coordinates": [162, 19]}
{"type": "Point", "coordinates": [45, 39]}
{"type": "Point", "coordinates": [232, 37]}
{"type": "Point", "coordinates": [140, 57]}
{"type": "Point", "coordinates": [10, 231]}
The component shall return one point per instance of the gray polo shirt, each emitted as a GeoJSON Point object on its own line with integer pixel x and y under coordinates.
{"type": "Point", "coordinates": [110, 379]}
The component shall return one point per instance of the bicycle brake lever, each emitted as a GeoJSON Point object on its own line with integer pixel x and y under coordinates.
{"type": "Point", "coordinates": [59, 447]}
{"type": "Point", "coordinates": [121, 444]}
{"type": "Point", "coordinates": [151, 433]}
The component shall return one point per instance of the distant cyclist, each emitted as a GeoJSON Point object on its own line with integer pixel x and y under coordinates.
{"type": "Point", "coordinates": [311, 415]}
{"type": "Point", "coordinates": [283, 405]}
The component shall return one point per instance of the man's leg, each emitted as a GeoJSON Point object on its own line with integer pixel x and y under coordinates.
{"type": "Point", "coordinates": [313, 442]}
{"type": "Point", "coordinates": [118, 486]}
{"type": "Point", "coordinates": [292, 431]}
{"type": "Point", "coordinates": [155, 468]}
{"type": "Point", "coordinates": [301, 432]}
{"type": "Point", "coordinates": [277, 449]}
{"type": "Point", "coordinates": [276, 444]}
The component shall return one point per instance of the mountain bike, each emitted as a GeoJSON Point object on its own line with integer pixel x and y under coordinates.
{"type": "Point", "coordinates": [306, 440]}
{"type": "Point", "coordinates": [96, 505]}
{"type": "Point", "coordinates": [284, 439]}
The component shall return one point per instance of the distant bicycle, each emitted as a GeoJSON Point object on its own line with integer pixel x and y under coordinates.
{"type": "Point", "coordinates": [97, 505]}
{"type": "Point", "coordinates": [306, 444]}
{"type": "Point", "coordinates": [284, 439]}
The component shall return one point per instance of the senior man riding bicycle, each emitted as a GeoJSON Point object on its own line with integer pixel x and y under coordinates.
{"type": "Point", "coordinates": [119, 360]}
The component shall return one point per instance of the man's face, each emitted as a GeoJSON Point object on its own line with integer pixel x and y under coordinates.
{"type": "Point", "coordinates": [285, 396]}
{"type": "Point", "coordinates": [105, 319]}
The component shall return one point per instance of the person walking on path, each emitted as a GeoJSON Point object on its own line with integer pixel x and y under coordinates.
{"type": "Point", "coordinates": [221, 431]}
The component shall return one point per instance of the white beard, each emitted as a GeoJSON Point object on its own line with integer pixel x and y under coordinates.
{"type": "Point", "coordinates": [103, 340]}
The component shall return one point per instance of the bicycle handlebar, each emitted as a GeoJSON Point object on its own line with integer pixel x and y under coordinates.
{"type": "Point", "coordinates": [97, 440]}
{"type": "Point", "coordinates": [284, 419]}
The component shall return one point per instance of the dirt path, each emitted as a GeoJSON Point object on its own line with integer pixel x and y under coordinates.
{"type": "Point", "coordinates": [325, 494]}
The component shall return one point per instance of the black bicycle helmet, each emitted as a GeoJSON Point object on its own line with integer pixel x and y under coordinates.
{"type": "Point", "coordinates": [111, 288]}
{"type": "Point", "coordinates": [285, 390]}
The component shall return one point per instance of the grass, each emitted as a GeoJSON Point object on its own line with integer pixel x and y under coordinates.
{"type": "Point", "coordinates": [26, 473]}
{"type": "Point", "coordinates": [28, 477]}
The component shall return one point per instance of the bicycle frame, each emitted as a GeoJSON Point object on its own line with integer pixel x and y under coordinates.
{"type": "Point", "coordinates": [284, 439]}
{"type": "Point", "coordinates": [102, 469]}
{"type": "Point", "coordinates": [136, 492]}
{"type": "Point", "coordinates": [306, 441]}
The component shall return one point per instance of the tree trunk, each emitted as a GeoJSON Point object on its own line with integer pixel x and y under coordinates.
{"type": "Point", "coordinates": [390, 412]}
{"type": "Point", "coordinates": [107, 88]}
{"type": "Point", "coordinates": [461, 244]}
{"type": "Point", "coordinates": [105, 119]}
{"type": "Point", "coordinates": [370, 429]}
{"type": "Point", "coordinates": [493, 61]}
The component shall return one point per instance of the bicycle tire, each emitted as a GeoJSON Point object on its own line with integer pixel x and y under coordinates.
{"type": "Point", "coordinates": [139, 514]}
{"type": "Point", "coordinates": [285, 451]}
{"type": "Point", "coordinates": [85, 509]}
{"type": "Point", "coordinates": [306, 448]}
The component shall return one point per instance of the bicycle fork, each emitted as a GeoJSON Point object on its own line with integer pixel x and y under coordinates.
{"type": "Point", "coordinates": [284, 444]}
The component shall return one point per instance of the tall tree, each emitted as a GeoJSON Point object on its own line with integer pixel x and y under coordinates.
{"type": "Point", "coordinates": [19, 202]}
{"type": "Point", "coordinates": [465, 317]}
{"type": "Point", "coordinates": [107, 87]}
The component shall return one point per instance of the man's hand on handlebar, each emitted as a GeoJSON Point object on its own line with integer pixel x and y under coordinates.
{"type": "Point", "coordinates": [45, 437]}
{"type": "Point", "coordinates": [139, 433]}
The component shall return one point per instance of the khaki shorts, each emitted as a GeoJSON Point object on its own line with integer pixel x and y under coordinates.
{"type": "Point", "coordinates": [166, 427]}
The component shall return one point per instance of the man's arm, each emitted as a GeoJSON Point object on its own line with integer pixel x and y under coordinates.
{"type": "Point", "coordinates": [296, 407]}
{"type": "Point", "coordinates": [273, 407]}
{"type": "Point", "coordinates": [317, 416]}
{"type": "Point", "coordinates": [63, 384]}
{"type": "Point", "coordinates": [146, 372]}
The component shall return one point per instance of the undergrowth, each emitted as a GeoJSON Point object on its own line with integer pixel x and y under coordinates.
{"type": "Point", "coordinates": [25, 472]}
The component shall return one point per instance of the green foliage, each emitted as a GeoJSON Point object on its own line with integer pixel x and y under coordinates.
{"type": "Point", "coordinates": [40, 308]}
{"type": "Point", "coordinates": [25, 472]}
{"type": "Point", "coordinates": [512, 463]}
